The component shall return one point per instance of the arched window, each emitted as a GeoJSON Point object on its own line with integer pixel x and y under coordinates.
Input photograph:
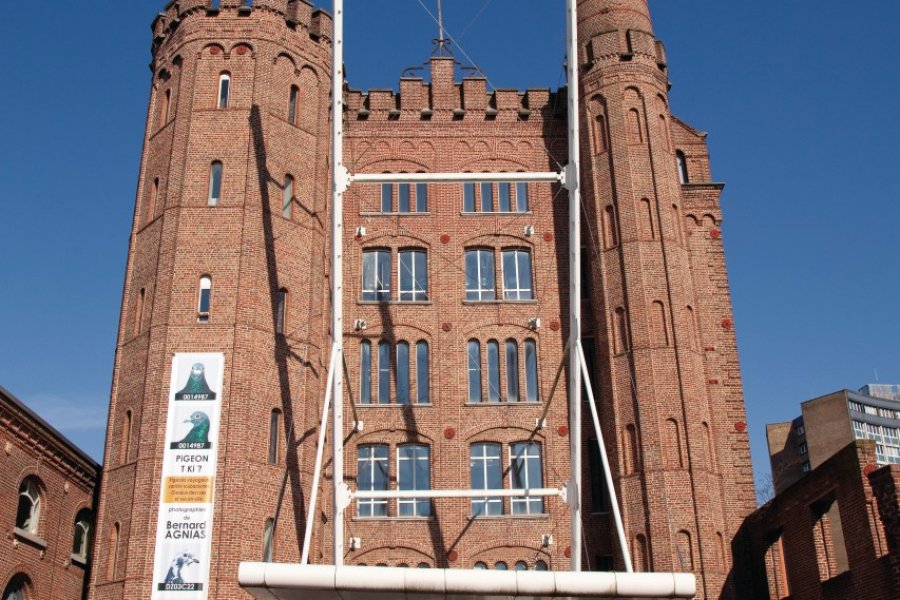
{"type": "Point", "coordinates": [521, 566]}
{"type": "Point", "coordinates": [293, 101]}
{"type": "Point", "coordinates": [403, 373]}
{"type": "Point", "coordinates": [423, 379]}
{"type": "Point", "coordinates": [599, 134]}
{"type": "Point", "coordinates": [215, 183]}
{"type": "Point", "coordinates": [531, 368]}
{"type": "Point", "coordinates": [501, 566]}
{"type": "Point", "coordinates": [384, 373]}
{"type": "Point", "coordinates": [473, 358]}
{"type": "Point", "coordinates": [164, 109]}
{"type": "Point", "coordinates": [493, 365]}
{"type": "Point", "coordinates": [610, 233]}
{"type": "Point", "coordinates": [268, 541]}
{"type": "Point", "coordinates": [281, 311]}
{"type": "Point", "coordinates": [81, 541]}
{"type": "Point", "coordinates": [287, 202]}
{"type": "Point", "coordinates": [486, 473]}
{"type": "Point", "coordinates": [365, 372]}
{"type": "Point", "coordinates": [682, 167]}
{"type": "Point", "coordinates": [28, 516]}
{"type": "Point", "coordinates": [15, 589]}
{"type": "Point", "coordinates": [620, 333]}
{"type": "Point", "coordinates": [540, 566]}
{"type": "Point", "coordinates": [512, 371]}
{"type": "Point", "coordinates": [635, 133]}
{"type": "Point", "coordinates": [517, 279]}
{"type": "Point", "coordinates": [480, 566]}
{"type": "Point", "coordinates": [527, 473]}
{"type": "Point", "coordinates": [205, 299]}
{"type": "Point", "coordinates": [413, 473]}
{"type": "Point", "coordinates": [126, 437]}
{"type": "Point", "coordinates": [112, 564]}
{"type": "Point", "coordinates": [154, 195]}
{"type": "Point", "coordinates": [224, 91]}
{"type": "Point", "coordinates": [480, 284]}
{"type": "Point", "coordinates": [139, 312]}
{"type": "Point", "coordinates": [274, 435]}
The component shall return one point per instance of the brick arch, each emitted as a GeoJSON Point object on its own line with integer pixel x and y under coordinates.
{"type": "Point", "coordinates": [493, 239]}
{"type": "Point", "coordinates": [494, 163]}
{"type": "Point", "coordinates": [22, 571]}
{"type": "Point", "coordinates": [410, 554]}
{"type": "Point", "coordinates": [390, 164]}
{"type": "Point", "coordinates": [391, 436]}
{"type": "Point", "coordinates": [509, 554]}
{"type": "Point", "coordinates": [208, 50]}
{"type": "Point", "coordinates": [401, 327]}
{"type": "Point", "coordinates": [380, 241]}
{"type": "Point", "coordinates": [494, 329]}
{"type": "Point", "coordinates": [511, 433]}
{"type": "Point", "coordinates": [237, 45]}
{"type": "Point", "coordinates": [285, 56]}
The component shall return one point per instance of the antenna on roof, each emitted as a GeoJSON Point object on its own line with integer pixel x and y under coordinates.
{"type": "Point", "coordinates": [442, 45]}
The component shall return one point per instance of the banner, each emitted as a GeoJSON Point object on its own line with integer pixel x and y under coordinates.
{"type": "Point", "coordinates": [185, 525]}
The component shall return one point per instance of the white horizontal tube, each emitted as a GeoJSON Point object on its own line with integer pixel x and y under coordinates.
{"type": "Point", "coordinates": [404, 494]}
{"type": "Point", "coordinates": [453, 177]}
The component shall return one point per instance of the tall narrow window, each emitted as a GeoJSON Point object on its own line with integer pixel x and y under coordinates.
{"type": "Point", "coordinates": [681, 161]}
{"type": "Point", "coordinates": [387, 197]}
{"type": "Point", "coordinates": [112, 564]}
{"type": "Point", "coordinates": [204, 301]}
{"type": "Point", "coordinates": [480, 275]}
{"type": "Point", "coordinates": [413, 275]}
{"type": "Point", "coordinates": [365, 372]}
{"type": "Point", "coordinates": [487, 197]}
{"type": "Point", "coordinates": [268, 552]}
{"type": "Point", "coordinates": [512, 371]}
{"type": "Point", "coordinates": [504, 197]}
{"type": "Point", "coordinates": [599, 134]}
{"type": "Point", "coordinates": [421, 197]}
{"type": "Point", "coordinates": [82, 535]}
{"type": "Point", "coordinates": [403, 373]}
{"type": "Point", "coordinates": [485, 473]}
{"type": "Point", "coordinates": [531, 367]}
{"type": "Point", "coordinates": [473, 358]}
{"type": "Point", "coordinates": [287, 199]}
{"type": "Point", "coordinates": [274, 435]}
{"type": "Point", "coordinates": [635, 134]}
{"type": "Point", "coordinates": [517, 282]}
{"type": "Point", "coordinates": [293, 99]}
{"type": "Point", "coordinates": [126, 438]}
{"type": "Point", "coordinates": [522, 196]}
{"type": "Point", "coordinates": [403, 193]}
{"type": "Point", "coordinates": [493, 365]}
{"type": "Point", "coordinates": [28, 515]}
{"type": "Point", "coordinates": [423, 384]}
{"type": "Point", "coordinates": [599, 490]}
{"type": "Point", "coordinates": [224, 90]}
{"type": "Point", "coordinates": [15, 589]}
{"type": "Point", "coordinates": [215, 183]}
{"type": "Point", "coordinates": [526, 474]}
{"type": "Point", "coordinates": [281, 311]}
{"type": "Point", "coordinates": [610, 234]}
{"type": "Point", "coordinates": [468, 197]}
{"type": "Point", "coordinates": [372, 476]}
{"type": "Point", "coordinates": [620, 333]}
{"type": "Point", "coordinates": [376, 274]}
{"type": "Point", "coordinates": [413, 473]}
{"type": "Point", "coordinates": [384, 373]}
{"type": "Point", "coordinates": [154, 196]}
{"type": "Point", "coordinates": [139, 312]}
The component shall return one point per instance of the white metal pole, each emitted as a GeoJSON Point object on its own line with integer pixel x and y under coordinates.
{"type": "Point", "coordinates": [572, 183]}
{"type": "Point", "coordinates": [317, 471]}
{"type": "Point", "coordinates": [552, 177]}
{"type": "Point", "coordinates": [613, 498]}
{"type": "Point", "coordinates": [339, 184]}
{"type": "Point", "coordinates": [468, 493]}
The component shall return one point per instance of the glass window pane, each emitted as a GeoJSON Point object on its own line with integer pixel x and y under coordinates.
{"type": "Point", "coordinates": [421, 197]}
{"type": "Point", "coordinates": [503, 197]}
{"type": "Point", "coordinates": [525, 473]}
{"type": "Point", "coordinates": [480, 566]}
{"type": "Point", "coordinates": [469, 197]}
{"type": "Point", "coordinates": [471, 274]}
{"type": "Point", "coordinates": [522, 196]}
{"type": "Point", "coordinates": [224, 90]}
{"type": "Point", "coordinates": [384, 275]}
{"type": "Point", "coordinates": [523, 258]}
{"type": "Point", "coordinates": [215, 183]}
{"type": "Point", "coordinates": [521, 566]}
{"type": "Point", "coordinates": [403, 373]}
{"type": "Point", "coordinates": [474, 361]}
{"type": "Point", "coordinates": [287, 200]}
{"type": "Point", "coordinates": [501, 566]}
{"type": "Point", "coordinates": [485, 474]}
{"type": "Point", "coordinates": [204, 300]}
{"type": "Point", "coordinates": [487, 197]}
{"type": "Point", "coordinates": [414, 473]}
{"type": "Point", "coordinates": [540, 566]}
{"type": "Point", "coordinates": [423, 395]}
{"type": "Point", "coordinates": [531, 378]}
{"type": "Point", "coordinates": [493, 352]}
{"type": "Point", "coordinates": [274, 430]}
{"type": "Point", "coordinates": [292, 104]}
{"type": "Point", "coordinates": [387, 190]}
{"type": "Point", "coordinates": [365, 372]}
{"type": "Point", "coordinates": [510, 277]}
{"type": "Point", "coordinates": [405, 275]}
{"type": "Point", "coordinates": [268, 540]}
{"type": "Point", "coordinates": [512, 371]}
{"type": "Point", "coordinates": [486, 275]}
{"type": "Point", "coordinates": [403, 198]}
{"type": "Point", "coordinates": [420, 262]}
{"type": "Point", "coordinates": [372, 475]}
{"type": "Point", "coordinates": [384, 373]}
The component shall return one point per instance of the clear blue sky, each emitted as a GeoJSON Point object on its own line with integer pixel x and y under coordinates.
{"type": "Point", "coordinates": [800, 100]}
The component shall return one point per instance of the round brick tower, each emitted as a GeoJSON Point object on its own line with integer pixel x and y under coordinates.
{"type": "Point", "coordinates": [227, 254]}
{"type": "Point", "coordinates": [669, 376]}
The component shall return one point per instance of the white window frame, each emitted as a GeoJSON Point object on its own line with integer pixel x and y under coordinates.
{"type": "Point", "coordinates": [373, 502]}
{"type": "Point", "coordinates": [518, 291]}
{"type": "Point", "coordinates": [29, 489]}
{"type": "Point", "coordinates": [487, 501]}
{"type": "Point", "coordinates": [482, 292]}
{"type": "Point", "coordinates": [223, 100]}
{"type": "Point", "coordinates": [528, 502]}
{"type": "Point", "coordinates": [417, 295]}
{"type": "Point", "coordinates": [413, 502]}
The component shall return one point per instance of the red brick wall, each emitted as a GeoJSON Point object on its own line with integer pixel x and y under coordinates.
{"type": "Point", "coordinates": [66, 481]}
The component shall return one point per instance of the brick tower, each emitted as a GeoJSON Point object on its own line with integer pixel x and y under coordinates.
{"type": "Point", "coordinates": [227, 255]}
{"type": "Point", "coordinates": [454, 310]}
{"type": "Point", "coordinates": [667, 360]}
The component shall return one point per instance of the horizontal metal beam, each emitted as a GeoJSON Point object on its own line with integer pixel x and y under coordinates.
{"type": "Point", "coordinates": [413, 494]}
{"type": "Point", "coordinates": [455, 177]}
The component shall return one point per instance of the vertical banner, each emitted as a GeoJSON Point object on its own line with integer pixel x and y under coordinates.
{"type": "Point", "coordinates": [184, 529]}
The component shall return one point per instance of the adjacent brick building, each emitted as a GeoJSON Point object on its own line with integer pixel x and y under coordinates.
{"type": "Point", "coordinates": [455, 307]}
{"type": "Point", "coordinates": [47, 490]}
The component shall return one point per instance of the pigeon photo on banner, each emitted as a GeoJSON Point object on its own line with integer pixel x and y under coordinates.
{"type": "Point", "coordinates": [197, 437]}
{"type": "Point", "coordinates": [196, 387]}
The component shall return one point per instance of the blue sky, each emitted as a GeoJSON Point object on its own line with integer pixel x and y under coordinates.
{"type": "Point", "coordinates": [799, 99]}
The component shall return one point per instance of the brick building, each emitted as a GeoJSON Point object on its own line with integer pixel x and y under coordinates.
{"type": "Point", "coordinates": [46, 506]}
{"type": "Point", "coordinates": [455, 308]}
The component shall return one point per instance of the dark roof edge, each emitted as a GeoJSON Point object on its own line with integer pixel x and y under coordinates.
{"type": "Point", "coordinates": [50, 429]}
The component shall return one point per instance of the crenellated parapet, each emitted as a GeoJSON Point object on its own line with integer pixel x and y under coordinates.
{"type": "Point", "coordinates": [445, 99]}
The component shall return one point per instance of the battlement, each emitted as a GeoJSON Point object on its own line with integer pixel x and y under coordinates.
{"type": "Point", "coordinates": [454, 100]}
{"type": "Point", "coordinates": [297, 14]}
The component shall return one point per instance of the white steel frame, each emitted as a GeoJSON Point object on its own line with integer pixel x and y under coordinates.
{"type": "Point", "coordinates": [569, 177]}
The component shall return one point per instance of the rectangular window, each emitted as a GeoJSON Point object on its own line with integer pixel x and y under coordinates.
{"type": "Point", "coordinates": [423, 384]}
{"type": "Point", "coordinates": [486, 474]}
{"type": "Point", "coordinates": [473, 352]}
{"type": "Point", "coordinates": [517, 282]}
{"type": "Point", "coordinates": [504, 197]}
{"type": "Point", "coordinates": [384, 373]}
{"type": "Point", "coordinates": [522, 196]}
{"type": "Point", "coordinates": [512, 371]}
{"type": "Point", "coordinates": [421, 197]}
{"type": "Point", "coordinates": [403, 198]}
{"type": "Point", "coordinates": [371, 476]}
{"type": "Point", "coordinates": [365, 372]}
{"type": "Point", "coordinates": [281, 311]}
{"type": "Point", "coordinates": [526, 474]}
{"type": "Point", "coordinates": [387, 197]}
{"type": "Point", "coordinates": [413, 276]}
{"type": "Point", "coordinates": [480, 275]}
{"type": "Point", "coordinates": [804, 449]}
{"type": "Point", "coordinates": [801, 430]}
{"type": "Point", "coordinates": [402, 373]}
{"type": "Point", "coordinates": [468, 197]}
{"type": "Point", "coordinates": [487, 197]}
{"type": "Point", "coordinates": [274, 427]}
{"type": "Point", "coordinates": [413, 473]}
{"type": "Point", "coordinates": [287, 200]}
{"type": "Point", "coordinates": [599, 491]}
{"type": "Point", "coordinates": [376, 274]}
{"type": "Point", "coordinates": [292, 104]}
